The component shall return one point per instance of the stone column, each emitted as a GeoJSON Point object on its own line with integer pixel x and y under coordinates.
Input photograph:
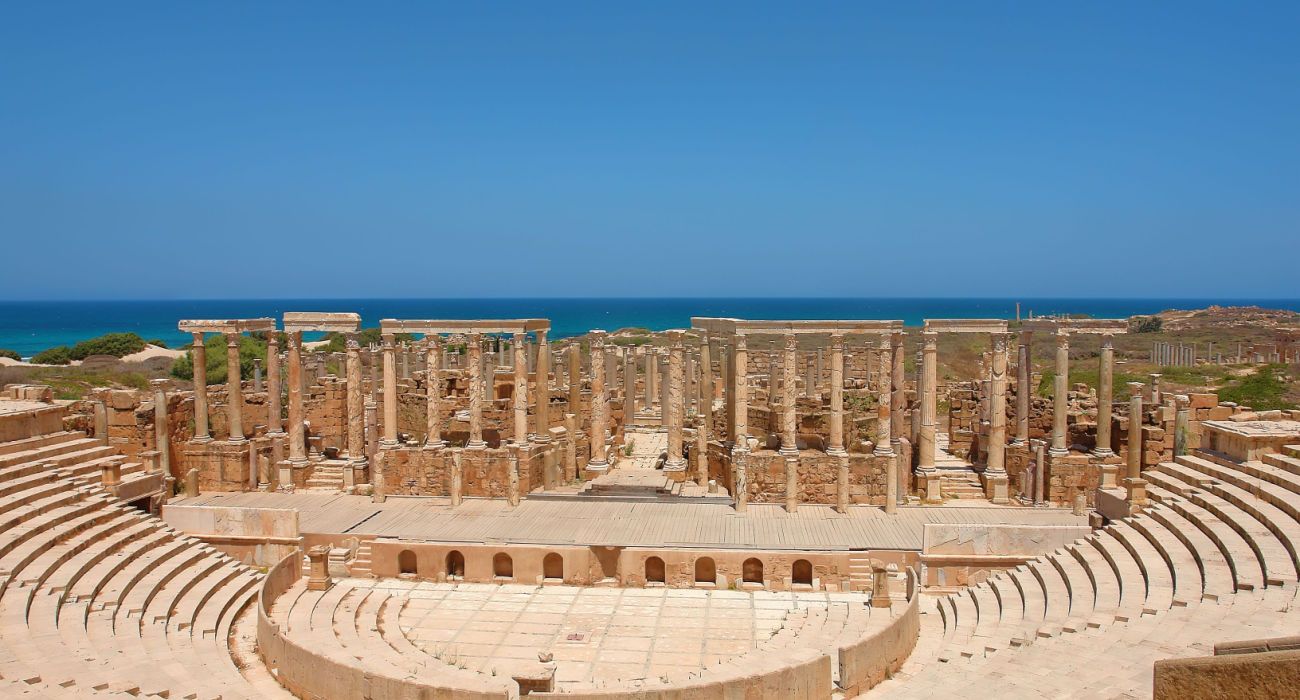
{"type": "Point", "coordinates": [161, 434]}
{"type": "Point", "coordinates": [356, 442]}
{"type": "Point", "coordinates": [257, 375]}
{"type": "Point", "coordinates": [674, 410]}
{"type": "Point", "coordinates": [728, 391]}
{"type": "Point", "coordinates": [390, 393]}
{"type": "Point", "coordinates": [740, 371]}
{"type": "Point", "coordinates": [433, 393]}
{"type": "Point", "coordinates": [1105, 396]}
{"type": "Point", "coordinates": [929, 399]}
{"type": "Point", "coordinates": [836, 446]}
{"type": "Point", "coordinates": [688, 380]}
{"type": "Point", "coordinates": [1135, 484]}
{"type": "Point", "coordinates": [629, 386]}
{"type": "Point", "coordinates": [792, 483]}
{"type": "Point", "coordinates": [1060, 394]}
{"type": "Point", "coordinates": [884, 417]}
{"type": "Point", "coordinates": [542, 379]}
{"type": "Point", "coordinates": [575, 378]}
{"type": "Point", "coordinates": [512, 494]}
{"type": "Point", "coordinates": [570, 447]}
{"type": "Point", "coordinates": [599, 403]}
{"type": "Point", "coordinates": [1024, 375]}
{"type": "Point", "coordinates": [1040, 469]}
{"type": "Point", "coordinates": [651, 377]}
{"type": "Point", "coordinates": [475, 362]}
{"type": "Point", "coordinates": [898, 402]}
{"type": "Point", "coordinates": [198, 353]}
{"type": "Point", "coordinates": [663, 388]}
{"type": "Point", "coordinates": [995, 471]}
{"type": "Point", "coordinates": [925, 467]}
{"type": "Point", "coordinates": [520, 398]}
{"type": "Point", "coordinates": [274, 423]}
{"type": "Point", "coordinates": [701, 455]}
{"type": "Point", "coordinates": [297, 440]}
{"type": "Point", "coordinates": [454, 488]}
{"type": "Point", "coordinates": [234, 389]}
{"type": "Point", "coordinates": [809, 379]}
{"type": "Point", "coordinates": [789, 419]}
{"type": "Point", "coordinates": [706, 384]}
{"type": "Point", "coordinates": [1181, 415]}
{"type": "Point", "coordinates": [740, 478]}
{"type": "Point", "coordinates": [842, 483]}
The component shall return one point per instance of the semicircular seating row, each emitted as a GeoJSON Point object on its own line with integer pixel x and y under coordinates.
{"type": "Point", "coordinates": [1213, 559]}
{"type": "Point", "coordinates": [358, 621]}
{"type": "Point", "coordinates": [97, 598]}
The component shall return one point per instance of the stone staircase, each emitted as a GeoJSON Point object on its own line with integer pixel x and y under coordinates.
{"type": "Point", "coordinates": [360, 567]}
{"type": "Point", "coordinates": [99, 599]}
{"type": "Point", "coordinates": [1212, 559]}
{"type": "Point", "coordinates": [327, 475]}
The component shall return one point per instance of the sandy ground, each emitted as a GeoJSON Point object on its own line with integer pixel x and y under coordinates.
{"type": "Point", "coordinates": [315, 344]}
{"type": "Point", "coordinates": [149, 352]}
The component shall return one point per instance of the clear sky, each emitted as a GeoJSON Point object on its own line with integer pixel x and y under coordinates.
{"type": "Point", "coordinates": [559, 149]}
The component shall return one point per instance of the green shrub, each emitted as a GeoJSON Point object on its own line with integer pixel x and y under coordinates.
{"type": "Point", "coordinates": [215, 352]}
{"type": "Point", "coordinates": [157, 342]}
{"type": "Point", "coordinates": [1264, 390]}
{"type": "Point", "coordinates": [57, 355]}
{"type": "Point", "coordinates": [11, 354]}
{"type": "Point", "coordinates": [1146, 324]}
{"type": "Point", "coordinates": [338, 342]}
{"type": "Point", "coordinates": [115, 344]}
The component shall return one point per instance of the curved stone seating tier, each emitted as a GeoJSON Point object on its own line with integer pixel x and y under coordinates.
{"type": "Point", "coordinates": [488, 634]}
{"type": "Point", "coordinates": [99, 599]}
{"type": "Point", "coordinates": [1211, 559]}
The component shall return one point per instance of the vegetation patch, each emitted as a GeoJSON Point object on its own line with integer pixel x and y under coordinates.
{"type": "Point", "coordinates": [1265, 390]}
{"type": "Point", "coordinates": [215, 354]}
{"type": "Point", "coordinates": [11, 354]}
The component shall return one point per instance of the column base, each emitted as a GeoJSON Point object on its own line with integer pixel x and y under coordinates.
{"type": "Point", "coordinates": [1058, 451]}
{"type": "Point", "coordinates": [1137, 490]}
{"type": "Point", "coordinates": [996, 487]}
{"type": "Point", "coordinates": [541, 439]}
{"type": "Point", "coordinates": [275, 433]}
{"type": "Point", "coordinates": [386, 444]}
{"type": "Point", "coordinates": [204, 439]}
{"type": "Point", "coordinates": [676, 465]}
{"type": "Point", "coordinates": [434, 444]}
{"type": "Point", "coordinates": [885, 450]}
{"type": "Point", "coordinates": [476, 445]}
{"type": "Point", "coordinates": [237, 441]}
{"type": "Point", "coordinates": [787, 451]}
{"type": "Point", "coordinates": [601, 466]}
{"type": "Point", "coordinates": [1103, 452]}
{"type": "Point", "coordinates": [837, 452]}
{"type": "Point", "coordinates": [1109, 473]}
{"type": "Point", "coordinates": [1018, 441]}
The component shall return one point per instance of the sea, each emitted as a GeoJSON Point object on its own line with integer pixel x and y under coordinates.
{"type": "Point", "coordinates": [28, 327]}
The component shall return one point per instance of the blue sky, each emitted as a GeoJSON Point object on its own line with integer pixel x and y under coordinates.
{"type": "Point", "coordinates": [851, 149]}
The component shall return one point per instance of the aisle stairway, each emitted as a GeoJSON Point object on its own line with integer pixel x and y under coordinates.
{"type": "Point", "coordinates": [1213, 559]}
{"type": "Point", "coordinates": [97, 598]}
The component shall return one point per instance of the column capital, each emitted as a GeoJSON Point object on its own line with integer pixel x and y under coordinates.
{"type": "Point", "coordinates": [541, 335]}
{"type": "Point", "coordinates": [1026, 336]}
{"type": "Point", "coordinates": [791, 342]}
{"type": "Point", "coordinates": [232, 340]}
{"type": "Point", "coordinates": [675, 337]}
{"type": "Point", "coordinates": [1108, 340]}
{"type": "Point", "coordinates": [1135, 387]}
{"type": "Point", "coordinates": [387, 339]}
{"type": "Point", "coordinates": [198, 339]}
{"type": "Point", "coordinates": [896, 339]}
{"type": "Point", "coordinates": [930, 339]}
{"type": "Point", "coordinates": [1062, 338]}
{"type": "Point", "coordinates": [837, 341]}
{"type": "Point", "coordinates": [597, 338]}
{"type": "Point", "coordinates": [999, 341]}
{"type": "Point", "coordinates": [741, 342]}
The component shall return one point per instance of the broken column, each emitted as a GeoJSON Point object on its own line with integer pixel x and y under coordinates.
{"type": "Point", "coordinates": [740, 388]}
{"type": "Point", "coordinates": [297, 440]}
{"type": "Point", "coordinates": [1135, 484]}
{"type": "Point", "coordinates": [1024, 374]}
{"type": "Point", "coordinates": [520, 397]}
{"type": "Point", "coordinates": [542, 382]}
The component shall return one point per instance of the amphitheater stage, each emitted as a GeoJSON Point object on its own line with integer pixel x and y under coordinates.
{"type": "Point", "coordinates": [627, 524]}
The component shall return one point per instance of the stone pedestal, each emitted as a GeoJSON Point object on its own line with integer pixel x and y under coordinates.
{"type": "Point", "coordinates": [319, 577]}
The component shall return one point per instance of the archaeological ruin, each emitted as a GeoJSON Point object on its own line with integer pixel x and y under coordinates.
{"type": "Point", "coordinates": [735, 509]}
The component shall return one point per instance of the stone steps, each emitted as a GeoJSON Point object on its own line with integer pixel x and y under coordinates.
{"type": "Point", "coordinates": [1212, 558]}
{"type": "Point", "coordinates": [99, 599]}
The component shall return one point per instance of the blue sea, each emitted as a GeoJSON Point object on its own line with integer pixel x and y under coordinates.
{"type": "Point", "coordinates": [31, 326]}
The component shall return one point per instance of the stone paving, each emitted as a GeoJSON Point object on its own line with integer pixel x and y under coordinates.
{"type": "Point", "coordinates": [595, 634]}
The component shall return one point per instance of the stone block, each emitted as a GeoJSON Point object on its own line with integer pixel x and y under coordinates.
{"type": "Point", "coordinates": [1203, 400]}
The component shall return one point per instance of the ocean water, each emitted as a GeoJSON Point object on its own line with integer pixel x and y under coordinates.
{"type": "Point", "coordinates": [31, 326]}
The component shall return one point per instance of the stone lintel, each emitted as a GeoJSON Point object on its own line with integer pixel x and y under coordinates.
{"type": "Point", "coordinates": [300, 321]}
{"type": "Point", "coordinates": [511, 326]}
{"type": "Point", "coordinates": [1094, 326]}
{"type": "Point", "coordinates": [230, 325]}
{"type": "Point", "coordinates": [736, 326]}
{"type": "Point", "coordinates": [965, 325]}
